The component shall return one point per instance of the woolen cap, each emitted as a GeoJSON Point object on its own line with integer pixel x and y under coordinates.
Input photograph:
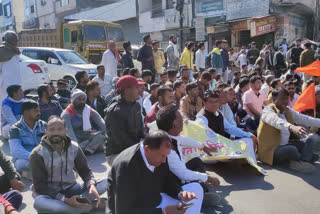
{"type": "Point", "coordinates": [77, 93]}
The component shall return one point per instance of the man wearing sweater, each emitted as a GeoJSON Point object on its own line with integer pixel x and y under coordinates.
{"type": "Point", "coordinates": [140, 181]}
{"type": "Point", "coordinates": [84, 124]}
{"type": "Point", "coordinates": [11, 109]}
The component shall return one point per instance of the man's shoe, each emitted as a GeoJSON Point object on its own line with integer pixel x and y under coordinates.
{"type": "Point", "coordinates": [102, 205]}
{"type": "Point", "coordinates": [302, 167]}
{"type": "Point", "coordinates": [314, 158]}
{"type": "Point", "coordinates": [211, 199]}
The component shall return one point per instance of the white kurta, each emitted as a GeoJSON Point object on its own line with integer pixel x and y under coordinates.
{"type": "Point", "coordinates": [9, 75]}
{"type": "Point", "coordinates": [110, 63]}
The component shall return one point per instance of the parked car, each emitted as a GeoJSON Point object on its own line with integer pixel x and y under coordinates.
{"type": "Point", "coordinates": [62, 63]}
{"type": "Point", "coordinates": [33, 73]}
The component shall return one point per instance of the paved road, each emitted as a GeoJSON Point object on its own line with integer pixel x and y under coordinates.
{"type": "Point", "coordinates": [243, 191]}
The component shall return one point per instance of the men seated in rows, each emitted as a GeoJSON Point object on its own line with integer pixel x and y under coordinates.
{"type": "Point", "coordinates": [172, 76]}
{"type": "Point", "coordinates": [26, 134]}
{"type": "Point", "coordinates": [11, 109]}
{"type": "Point", "coordinates": [48, 106]}
{"type": "Point", "coordinates": [63, 95]}
{"type": "Point", "coordinates": [254, 99]}
{"type": "Point", "coordinates": [185, 74]}
{"type": "Point", "coordinates": [149, 101]}
{"type": "Point", "coordinates": [123, 118]}
{"type": "Point", "coordinates": [140, 181]}
{"type": "Point", "coordinates": [142, 96]}
{"type": "Point", "coordinates": [191, 104]}
{"type": "Point", "coordinates": [165, 97]}
{"type": "Point", "coordinates": [147, 76]}
{"type": "Point", "coordinates": [10, 185]}
{"type": "Point", "coordinates": [94, 98]}
{"type": "Point", "coordinates": [105, 81]}
{"type": "Point", "coordinates": [179, 89]}
{"type": "Point", "coordinates": [56, 164]}
{"type": "Point", "coordinates": [164, 78]}
{"type": "Point", "coordinates": [244, 85]}
{"type": "Point", "coordinates": [84, 124]}
{"type": "Point", "coordinates": [211, 117]}
{"type": "Point", "coordinates": [114, 92]}
{"type": "Point", "coordinates": [170, 120]}
{"type": "Point", "coordinates": [293, 97]}
{"type": "Point", "coordinates": [203, 83]}
{"type": "Point", "coordinates": [281, 140]}
{"type": "Point", "coordinates": [82, 79]}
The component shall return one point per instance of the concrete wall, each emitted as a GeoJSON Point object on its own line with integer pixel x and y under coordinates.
{"type": "Point", "coordinates": [130, 28]}
{"type": "Point", "coordinates": [18, 12]}
{"type": "Point", "coordinates": [309, 3]}
{"type": "Point", "coordinates": [145, 5]}
{"type": "Point", "coordinates": [27, 13]}
{"type": "Point", "coordinates": [71, 6]}
{"type": "Point", "coordinates": [46, 14]}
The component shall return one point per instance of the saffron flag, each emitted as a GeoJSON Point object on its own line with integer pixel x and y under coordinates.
{"type": "Point", "coordinates": [226, 148]}
{"type": "Point", "coordinates": [313, 69]}
{"type": "Point", "coordinates": [307, 99]}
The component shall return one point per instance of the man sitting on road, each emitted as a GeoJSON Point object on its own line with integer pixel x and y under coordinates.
{"type": "Point", "coordinates": [82, 79]}
{"type": "Point", "coordinates": [94, 98]}
{"type": "Point", "coordinates": [84, 124]}
{"type": "Point", "coordinates": [105, 81]}
{"type": "Point", "coordinates": [276, 144]}
{"type": "Point", "coordinates": [11, 109]}
{"type": "Point", "coordinates": [26, 134]}
{"type": "Point", "coordinates": [48, 106]}
{"type": "Point", "coordinates": [152, 98]}
{"type": "Point", "coordinates": [63, 95]}
{"type": "Point", "coordinates": [169, 119]}
{"type": "Point", "coordinates": [211, 117]}
{"type": "Point", "coordinates": [191, 104]}
{"type": "Point", "coordinates": [123, 118]}
{"type": "Point", "coordinates": [56, 164]}
{"type": "Point", "coordinates": [140, 181]}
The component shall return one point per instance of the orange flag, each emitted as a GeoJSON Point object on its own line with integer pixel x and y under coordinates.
{"type": "Point", "coordinates": [307, 99]}
{"type": "Point", "coordinates": [313, 69]}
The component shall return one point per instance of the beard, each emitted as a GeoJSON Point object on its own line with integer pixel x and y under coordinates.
{"type": "Point", "coordinates": [80, 107]}
{"type": "Point", "coordinates": [56, 139]}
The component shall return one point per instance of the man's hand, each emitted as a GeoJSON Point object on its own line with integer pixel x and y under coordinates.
{"type": "Point", "coordinates": [255, 141]}
{"type": "Point", "coordinates": [187, 196]}
{"type": "Point", "coordinates": [214, 181]}
{"type": "Point", "coordinates": [72, 202]}
{"type": "Point", "coordinates": [17, 185]}
{"type": "Point", "coordinates": [93, 191]}
{"type": "Point", "coordinates": [208, 150]}
{"type": "Point", "coordinates": [174, 209]}
{"type": "Point", "coordinates": [298, 130]}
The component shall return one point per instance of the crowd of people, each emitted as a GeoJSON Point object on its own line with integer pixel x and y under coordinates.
{"type": "Point", "coordinates": [244, 95]}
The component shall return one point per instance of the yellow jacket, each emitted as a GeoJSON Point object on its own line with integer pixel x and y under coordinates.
{"type": "Point", "coordinates": [159, 61]}
{"type": "Point", "coordinates": [187, 58]}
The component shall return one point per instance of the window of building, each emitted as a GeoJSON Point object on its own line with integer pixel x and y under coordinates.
{"type": "Point", "coordinates": [64, 2]}
{"type": "Point", "coordinates": [74, 36]}
{"type": "Point", "coordinates": [7, 10]}
{"type": "Point", "coordinates": [43, 2]}
{"type": "Point", "coordinates": [157, 8]}
{"type": "Point", "coordinates": [66, 35]}
{"type": "Point", "coordinates": [32, 9]}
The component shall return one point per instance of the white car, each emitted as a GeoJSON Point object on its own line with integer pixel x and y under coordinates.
{"type": "Point", "coordinates": [62, 63]}
{"type": "Point", "coordinates": [33, 73]}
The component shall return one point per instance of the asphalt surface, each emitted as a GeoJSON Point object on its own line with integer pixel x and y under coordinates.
{"type": "Point", "coordinates": [242, 189]}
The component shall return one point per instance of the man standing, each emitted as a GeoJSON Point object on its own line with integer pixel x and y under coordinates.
{"type": "Point", "coordinates": [284, 44]}
{"type": "Point", "coordinates": [191, 104]}
{"type": "Point", "coordinates": [105, 81]}
{"type": "Point", "coordinates": [48, 106]}
{"type": "Point", "coordinates": [26, 134]}
{"type": "Point", "coordinates": [123, 118]}
{"type": "Point", "coordinates": [216, 58]}
{"type": "Point", "coordinates": [200, 58]}
{"type": "Point", "coordinates": [11, 109]}
{"type": "Point", "coordinates": [82, 79]}
{"type": "Point", "coordinates": [84, 125]}
{"type": "Point", "coordinates": [254, 99]}
{"type": "Point", "coordinates": [94, 99]}
{"type": "Point", "coordinates": [296, 52]}
{"type": "Point", "coordinates": [306, 58]}
{"type": "Point", "coordinates": [140, 181]}
{"type": "Point", "coordinates": [127, 57]}
{"type": "Point", "coordinates": [242, 59]}
{"type": "Point", "coordinates": [159, 60]}
{"type": "Point", "coordinates": [279, 62]}
{"type": "Point", "coordinates": [145, 55]}
{"type": "Point", "coordinates": [56, 164]}
{"type": "Point", "coordinates": [173, 57]}
{"type": "Point", "coordinates": [110, 59]}
{"type": "Point", "coordinates": [276, 125]}
{"type": "Point", "coordinates": [252, 54]}
{"type": "Point", "coordinates": [225, 58]}
{"type": "Point", "coordinates": [9, 63]}
{"type": "Point", "coordinates": [187, 58]}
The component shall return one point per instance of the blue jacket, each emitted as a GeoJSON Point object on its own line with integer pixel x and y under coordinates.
{"type": "Point", "coordinates": [10, 111]}
{"type": "Point", "coordinates": [216, 58]}
{"type": "Point", "coordinates": [22, 139]}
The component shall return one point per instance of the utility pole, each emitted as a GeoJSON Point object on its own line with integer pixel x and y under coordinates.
{"type": "Point", "coordinates": [179, 7]}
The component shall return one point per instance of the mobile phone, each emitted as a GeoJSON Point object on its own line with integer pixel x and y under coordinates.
{"type": "Point", "coordinates": [185, 206]}
{"type": "Point", "coordinates": [83, 201]}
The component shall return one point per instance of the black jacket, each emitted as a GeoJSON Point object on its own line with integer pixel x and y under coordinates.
{"type": "Point", "coordinates": [133, 188]}
{"type": "Point", "coordinates": [124, 125]}
{"type": "Point", "coordinates": [144, 54]}
{"type": "Point", "coordinates": [127, 60]}
{"type": "Point", "coordinates": [101, 105]}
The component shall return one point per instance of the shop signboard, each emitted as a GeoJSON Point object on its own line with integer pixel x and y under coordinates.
{"type": "Point", "coordinates": [263, 26]}
{"type": "Point", "coordinates": [240, 26]}
{"type": "Point", "coordinates": [200, 29]}
{"type": "Point", "coordinates": [210, 5]}
{"type": "Point", "coordinates": [210, 29]}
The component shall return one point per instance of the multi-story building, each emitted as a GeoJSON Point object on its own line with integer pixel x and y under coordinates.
{"type": "Point", "coordinates": [31, 19]}
{"type": "Point", "coordinates": [12, 15]}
